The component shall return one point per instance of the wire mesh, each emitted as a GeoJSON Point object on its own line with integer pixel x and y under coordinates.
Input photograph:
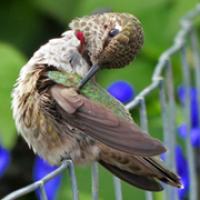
{"type": "Point", "coordinates": [162, 81]}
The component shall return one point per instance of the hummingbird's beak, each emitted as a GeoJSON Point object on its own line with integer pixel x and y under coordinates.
{"type": "Point", "coordinates": [89, 75]}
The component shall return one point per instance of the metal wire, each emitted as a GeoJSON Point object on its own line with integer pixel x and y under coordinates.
{"type": "Point", "coordinates": [162, 80]}
{"type": "Point", "coordinates": [118, 188]}
{"type": "Point", "coordinates": [95, 181]}
{"type": "Point", "coordinates": [144, 126]}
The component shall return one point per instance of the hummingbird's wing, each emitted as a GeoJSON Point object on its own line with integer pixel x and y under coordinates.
{"type": "Point", "coordinates": [102, 124]}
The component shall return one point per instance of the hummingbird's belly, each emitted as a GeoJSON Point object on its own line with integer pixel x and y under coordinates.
{"type": "Point", "coordinates": [57, 144]}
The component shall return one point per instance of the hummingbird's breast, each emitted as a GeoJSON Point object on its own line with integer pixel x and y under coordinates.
{"type": "Point", "coordinates": [38, 121]}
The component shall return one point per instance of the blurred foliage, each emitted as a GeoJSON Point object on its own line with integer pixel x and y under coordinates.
{"type": "Point", "coordinates": [10, 62]}
{"type": "Point", "coordinates": [27, 24]}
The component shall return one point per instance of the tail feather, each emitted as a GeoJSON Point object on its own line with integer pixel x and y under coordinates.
{"type": "Point", "coordinates": [142, 182]}
{"type": "Point", "coordinates": [167, 177]}
{"type": "Point", "coordinates": [142, 172]}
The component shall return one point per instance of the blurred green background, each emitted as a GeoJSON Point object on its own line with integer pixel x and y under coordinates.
{"type": "Point", "coordinates": [27, 24]}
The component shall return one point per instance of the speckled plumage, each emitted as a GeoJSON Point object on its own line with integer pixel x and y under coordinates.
{"type": "Point", "coordinates": [58, 122]}
{"type": "Point", "coordinates": [30, 107]}
{"type": "Point", "coordinates": [111, 52]}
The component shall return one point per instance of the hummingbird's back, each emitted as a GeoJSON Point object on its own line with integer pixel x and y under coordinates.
{"type": "Point", "coordinates": [92, 90]}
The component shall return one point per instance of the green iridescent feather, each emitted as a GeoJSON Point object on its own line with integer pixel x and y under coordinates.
{"type": "Point", "coordinates": [91, 90]}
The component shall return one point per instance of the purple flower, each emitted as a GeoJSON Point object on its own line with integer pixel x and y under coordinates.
{"type": "Point", "coordinates": [183, 171]}
{"type": "Point", "coordinates": [194, 135]}
{"type": "Point", "coordinates": [194, 115]}
{"type": "Point", "coordinates": [4, 160]}
{"type": "Point", "coordinates": [122, 91]}
{"type": "Point", "coordinates": [42, 168]}
{"type": "Point", "coordinates": [182, 131]}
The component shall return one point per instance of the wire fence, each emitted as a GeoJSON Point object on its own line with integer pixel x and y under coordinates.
{"type": "Point", "coordinates": [162, 82]}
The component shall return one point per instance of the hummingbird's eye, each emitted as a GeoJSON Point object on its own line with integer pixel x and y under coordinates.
{"type": "Point", "coordinates": [113, 32]}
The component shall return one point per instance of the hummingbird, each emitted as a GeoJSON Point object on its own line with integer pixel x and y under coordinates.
{"type": "Point", "coordinates": [62, 112]}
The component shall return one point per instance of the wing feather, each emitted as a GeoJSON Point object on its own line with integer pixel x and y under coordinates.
{"type": "Point", "coordinates": [100, 123]}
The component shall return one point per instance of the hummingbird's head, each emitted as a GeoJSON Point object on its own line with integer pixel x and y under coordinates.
{"type": "Point", "coordinates": [111, 39]}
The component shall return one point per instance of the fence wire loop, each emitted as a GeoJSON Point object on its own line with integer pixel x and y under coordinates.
{"type": "Point", "coordinates": [162, 80]}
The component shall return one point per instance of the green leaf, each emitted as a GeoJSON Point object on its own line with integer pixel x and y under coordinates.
{"type": "Point", "coordinates": [178, 10]}
{"type": "Point", "coordinates": [106, 187]}
{"type": "Point", "coordinates": [22, 25]}
{"type": "Point", "coordinates": [138, 74]}
{"type": "Point", "coordinates": [61, 10]}
{"type": "Point", "coordinates": [10, 62]}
